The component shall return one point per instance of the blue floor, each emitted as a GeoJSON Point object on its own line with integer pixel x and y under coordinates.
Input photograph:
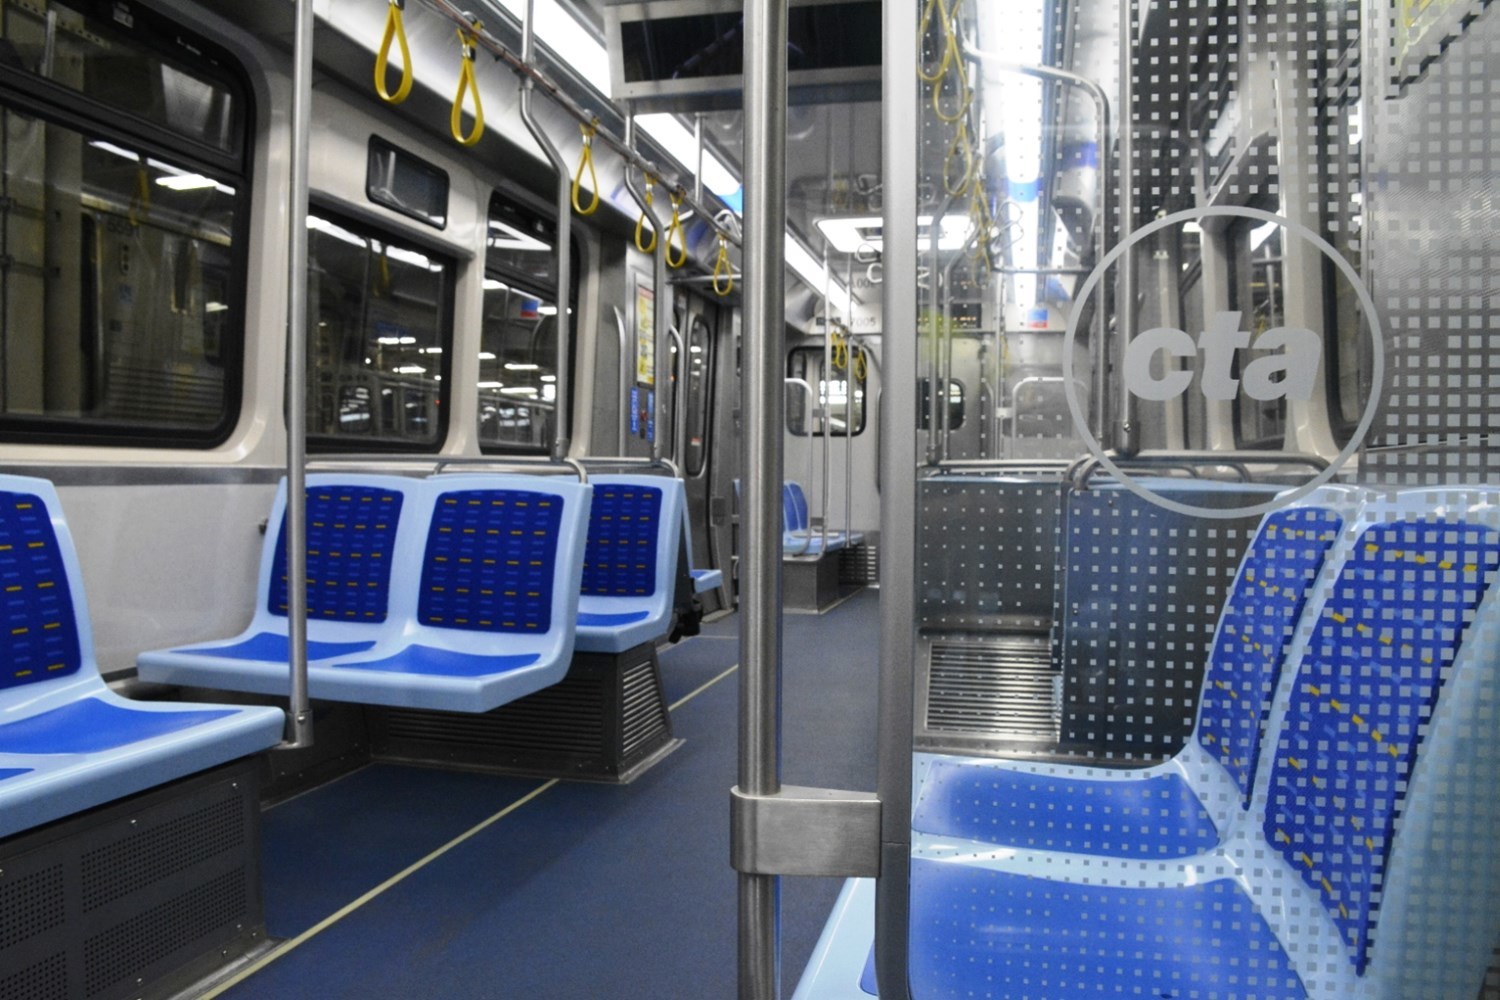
{"type": "Point", "coordinates": [585, 891]}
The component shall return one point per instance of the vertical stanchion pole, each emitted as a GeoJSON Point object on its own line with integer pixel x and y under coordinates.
{"type": "Point", "coordinates": [1127, 429]}
{"type": "Point", "coordinates": [299, 712]}
{"type": "Point", "coordinates": [562, 402]}
{"type": "Point", "coordinates": [764, 398]}
{"type": "Point", "coordinates": [900, 130]}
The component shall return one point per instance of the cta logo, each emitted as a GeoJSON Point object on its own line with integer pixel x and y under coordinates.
{"type": "Point", "coordinates": [1290, 373]}
{"type": "Point", "coordinates": [1224, 359]}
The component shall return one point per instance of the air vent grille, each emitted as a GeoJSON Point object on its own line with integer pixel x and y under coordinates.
{"type": "Point", "coordinates": [44, 980]}
{"type": "Point", "coordinates": [29, 905]}
{"type": "Point", "coordinates": [1003, 687]}
{"type": "Point", "coordinates": [120, 868]}
{"type": "Point", "coordinates": [644, 716]}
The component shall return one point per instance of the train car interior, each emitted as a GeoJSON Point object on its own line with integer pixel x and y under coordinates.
{"type": "Point", "coordinates": [775, 499]}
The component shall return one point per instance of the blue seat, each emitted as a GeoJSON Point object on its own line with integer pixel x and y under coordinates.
{"type": "Point", "coordinates": [67, 741]}
{"type": "Point", "coordinates": [799, 537]}
{"type": "Point", "coordinates": [481, 608]}
{"type": "Point", "coordinates": [704, 580]}
{"type": "Point", "coordinates": [630, 569]}
{"type": "Point", "coordinates": [1369, 865]}
{"type": "Point", "coordinates": [1182, 806]}
{"type": "Point", "coordinates": [356, 527]}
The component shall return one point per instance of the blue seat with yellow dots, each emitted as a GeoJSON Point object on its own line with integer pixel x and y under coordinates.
{"type": "Point", "coordinates": [630, 569]}
{"type": "Point", "coordinates": [1369, 866]}
{"type": "Point", "coordinates": [356, 527]}
{"type": "Point", "coordinates": [480, 604]}
{"type": "Point", "coordinates": [1187, 804]}
{"type": "Point", "coordinates": [67, 741]}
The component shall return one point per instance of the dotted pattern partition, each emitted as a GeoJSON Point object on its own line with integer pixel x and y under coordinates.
{"type": "Point", "coordinates": [1140, 599]}
{"type": "Point", "coordinates": [983, 933]}
{"type": "Point", "coordinates": [1254, 633]}
{"type": "Point", "coordinates": [40, 638]}
{"type": "Point", "coordinates": [351, 532]}
{"type": "Point", "coordinates": [624, 527]}
{"type": "Point", "coordinates": [489, 561]}
{"type": "Point", "coordinates": [1375, 666]}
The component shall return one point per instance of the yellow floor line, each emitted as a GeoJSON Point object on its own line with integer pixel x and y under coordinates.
{"type": "Point", "coordinates": [322, 925]}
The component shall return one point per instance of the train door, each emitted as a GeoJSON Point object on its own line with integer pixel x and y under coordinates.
{"type": "Point", "coordinates": [707, 450]}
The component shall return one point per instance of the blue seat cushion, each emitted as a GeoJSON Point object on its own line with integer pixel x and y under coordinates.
{"type": "Point", "coordinates": [273, 648]}
{"type": "Point", "coordinates": [594, 619]}
{"type": "Point", "coordinates": [977, 932]}
{"type": "Point", "coordinates": [434, 662]}
{"type": "Point", "coordinates": [1155, 817]}
{"type": "Point", "coordinates": [11, 772]}
{"type": "Point", "coordinates": [92, 725]}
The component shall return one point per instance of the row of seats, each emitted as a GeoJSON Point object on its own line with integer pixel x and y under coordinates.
{"type": "Point", "coordinates": [1327, 832]}
{"type": "Point", "coordinates": [799, 537]}
{"type": "Point", "coordinates": [459, 592]}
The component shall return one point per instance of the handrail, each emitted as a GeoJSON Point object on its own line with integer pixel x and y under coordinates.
{"type": "Point", "coordinates": [513, 463]}
{"type": "Point", "coordinates": [1085, 468]}
{"type": "Point", "coordinates": [299, 707]}
{"type": "Point", "coordinates": [1015, 399]}
{"type": "Point", "coordinates": [626, 364]}
{"type": "Point", "coordinates": [1101, 101]}
{"type": "Point", "coordinates": [812, 451]}
{"type": "Point", "coordinates": [561, 418]}
{"type": "Point", "coordinates": [679, 398]}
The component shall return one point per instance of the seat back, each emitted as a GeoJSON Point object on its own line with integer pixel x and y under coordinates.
{"type": "Point", "coordinates": [500, 554]}
{"type": "Point", "coordinates": [1256, 627]}
{"type": "Point", "coordinates": [1393, 638]}
{"type": "Point", "coordinates": [44, 636]}
{"type": "Point", "coordinates": [794, 502]}
{"type": "Point", "coordinates": [635, 526]}
{"type": "Point", "coordinates": [355, 527]}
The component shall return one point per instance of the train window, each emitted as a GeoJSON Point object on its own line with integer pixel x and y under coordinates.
{"type": "Point", "coordinates": [1257, 292]}
{"type": "Point", "coordinates": [699, 384]}
{"type": "Point", "coordinates": [122, 291]}
{"type": "Point", "coordinates": [518, 335]}
{"type": "Point", "coordinates": [127, 59]}
{"type": "Point", "coordinates": [956, 404]}
{"type": "Point", "coordinates": [403, 183]}
{"type": "Point", "coordinates": [379, 339]}
{"type": "Point", "coordinates": [843, 412]}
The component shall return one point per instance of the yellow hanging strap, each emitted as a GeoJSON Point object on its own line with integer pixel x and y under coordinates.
{"type": "Point", "coordinates": [140, 202]}
{"type": "Point", "coordinates": [839, 348]}
{"type": "Point", "coordinates": [723, 270]}
{"type": "Point", "coordinates": [962, 153]}
{"type": "Point", "coordinates": [940, 9]}
{"type": "Point", "coordinates": [587, 160]}
{"type": "Point", "coordinates": [467, 40]}
{"type": "Point", "coordinates": [861, 366]}
{"type": "Point", "coordinates": [395, 29]}
{"type": "Point", "coordinates": [640, 224]}
{"type": "Point", "coordinates": [979, 214]}
{"type": "Point", "coordinates": [675, 227]}
{"type": "Point", "coordinates": [951, 64]}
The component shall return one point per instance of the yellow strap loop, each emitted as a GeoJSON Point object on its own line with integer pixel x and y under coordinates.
{"type": "Point", "coordinates": [939, 8]}
{"type": "Point", "coordinates": [640, 223]}
{"type": "Point", "coordinates": [675, 226]}
{"type": "Point", "coordinates": [840, 350]}
{"type": "Point", "coordinates": [723, 270]}
{"type": "Point", "coordinates": [140, 202]}
{"type": "Point", "coordinates": [466, 82]}
{"type": "Point", "coordinates": [587, 160]}
{"type": "Point", "coordinates": [395, 29]}
{"type": "Point", "coordinates": [861, 366]}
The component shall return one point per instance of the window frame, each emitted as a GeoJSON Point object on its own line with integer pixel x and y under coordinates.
{"type": "Point", "coordinates": [370, 227]}
{"type": "Point", "coordinates": [379, 143]}
{"type": "Point", "coordinates": [807, 428]}
{"type": "Point", "coordinates": [26, 93]}
{"type": "Point", "coordinates": [519, 280]}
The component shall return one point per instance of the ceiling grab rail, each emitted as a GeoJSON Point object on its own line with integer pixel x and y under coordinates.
{"type": "Point", "coordinates": [560, 417]}
{"type": "Point", "coordinates": [1099, 396]}
{"type": "Point", "coordinates": [299, 710]}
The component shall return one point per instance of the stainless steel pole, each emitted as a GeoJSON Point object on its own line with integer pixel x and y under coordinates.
{"type": "Point", "coordinates": [764, 398]}
{"type": "Point", "coordinates": [1127, 430]}
{"type": "Point", "coordinates": [561, 415]}
{"type": "Point", "coordinates": [299, 711]}
{"type": "Point", "coordinates": [900, 130]}
{"type": "Point", "coordinates": [825, 401]}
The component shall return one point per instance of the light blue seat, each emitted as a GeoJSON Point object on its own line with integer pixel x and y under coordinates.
{"type": "Point", "coordinates": [1369, 865]}
{"type": "Point", "coordinates": [356, 526]}
{"type": "Point", "coordinates": [1182, 806]}
{"type": "Point", "coordinates": [483, 600]}
{"type": "Point", "coordinates": [704, 580]}
{"type": "Point", "coordinates": [630, 569]}
{"type": "Point", "coordinates": [67, 741]}
{"type": "Point", "coordinates": [799, 537]}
